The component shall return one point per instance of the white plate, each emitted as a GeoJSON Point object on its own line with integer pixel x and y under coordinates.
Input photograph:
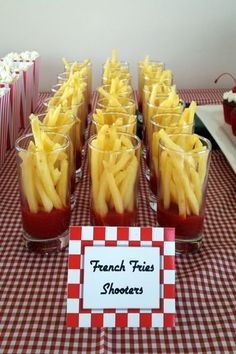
{"type": "Point", "coordinates": [213, 118]}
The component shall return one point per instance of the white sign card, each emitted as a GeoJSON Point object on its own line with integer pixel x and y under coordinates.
{"type": "Point", "coordinates": [121, 277]}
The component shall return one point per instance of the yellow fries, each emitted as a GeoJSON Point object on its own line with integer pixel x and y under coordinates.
{"type": "Point", "coordinates": [113, 171]}
{"type": "Point", "coordinates": [113, 68]}
{"type": "Point", "coordinates": [122, 122]}
{"type": "Point", "coordinates": [182, 171]}
{"type": "Point", "coordinates": [44, 172]}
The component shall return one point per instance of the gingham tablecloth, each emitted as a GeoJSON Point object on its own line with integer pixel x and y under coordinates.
{"type": "Point", "coordinates": [33, 287]}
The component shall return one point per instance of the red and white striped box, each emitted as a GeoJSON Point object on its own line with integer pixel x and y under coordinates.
{"type": "Point", "coordinates": [27, 69]}
{"type": "Point", "coordinates": [15, 109]}
{"type": "Point", "coordinates": [84, 236]}
{"type": "Point", "coordinates": [4, 121]}
{"type": "Point", "coordinates": [35, 96]}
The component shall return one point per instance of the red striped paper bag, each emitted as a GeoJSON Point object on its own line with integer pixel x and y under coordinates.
{"type": "Point", "coordinates": [36, 83]}
{"type": "Point", "coordinates": [4, 121]}
{"type": "Point", "coordinates": [15, 107]}
{"type": "Point", "coordinates": [27, 69]}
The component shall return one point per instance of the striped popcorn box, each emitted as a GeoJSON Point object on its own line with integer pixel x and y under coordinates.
{"type": "Point", "coordinates": [4, 121]}
{"type": "Point", "coordinates": [15, 107]}
{"type": "Point", "coordinates": [27, 69]}
{"type": "Point", "coordinates": [36, 63]}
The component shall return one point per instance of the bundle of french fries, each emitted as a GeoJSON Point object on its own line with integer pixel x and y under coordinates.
{"type": "Point", "coordinates": [150, 72]}
{"type": "Point", "coordinates": [116, 93]}
{"type": "Point", "coordinates": [71, 95]}
{"type": "Point", "coordinates": [116, 104]}
{"type": "Point", "coordinates": [114, 167]}
{"type": "Point", "coordinates": [45, 171]}
{"type": "Point", "coordinates": [161, 103]}
{"type": "Point", "coordinates": [116, 88]}
{"type": "Point", "coordinates": [113, 68]}
{"type": "Point", "coordinates": [122, 122]}
{"type": "Point", "coordinates": [172, 124]}
{"type": "Point", "coordinates": [182, 170]}
{"type": "Point", "coordinates": [69, 98]}
{"type": "Point", "coordinates": [82, 70]}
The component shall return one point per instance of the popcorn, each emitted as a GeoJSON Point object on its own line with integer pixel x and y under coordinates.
{"type": "Point", "coordinates": [29, 55]}
{"type": "Point", "coordinates": [2, 91]}
{"type": "Point", "coordinates": [7, 77]}
{"type": "Point", "coordinates": [25, 56]}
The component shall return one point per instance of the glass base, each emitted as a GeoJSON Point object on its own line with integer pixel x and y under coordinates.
{"type": "Point", "coordinates": [184, 245]}
{"type": "Point", "coordinates": [45, 246]}
{"type": "Point", "coordinates": [152, 201]}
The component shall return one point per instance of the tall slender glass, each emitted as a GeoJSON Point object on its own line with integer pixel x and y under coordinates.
{"type": "Point", "coordinates": [63, 77]}
{"type": "Point", "coordinates": [182, 189]}
{"type": "Point", "coordinates": [45, 187]}
{"type": "Point", "coordinates": [67, 129]}
{"type": "Point", "coordinates": [154, 66]}
{"type": "Point", "coordinates": [172, 124]}
{"type": "Point", "coordinates": [128, 93]}
{"type": "Point", "coordinates": [122, 122]}
{"type": "Point", "coordinates": [114, 178]}
{"type": "Point", "coordinates": [123, 105]}
{"type": "Point", "coordinates": [79, 127]}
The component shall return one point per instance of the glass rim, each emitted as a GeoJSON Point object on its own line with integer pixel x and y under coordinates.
{"type": "Point", "coordinates": [134, 148]}
{"type": "Point", "coordinates": [56, 126]}
{"type": "Point", "coordinates": [45, 103]}
{"type": "Point", "coordinates": [126, 125]}
{"type": "Point", "coordinates": [145, 78]}
{"type": "Point", "coordinates": [62, 78]}
{"type": "Point", "coordinates": [187, 153]}
{"type": "Point", "coordinates": [29, 135]}
{"type": "Point", "coordinates": [131, 100]}
{"type": "Point", "coordinates": [157, 96]}
{"type": "Point", "coordinates": [109, 85]}
{"type": "Point", "coordinates": [154, 123]}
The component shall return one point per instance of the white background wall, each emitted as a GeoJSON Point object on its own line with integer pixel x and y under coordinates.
{"type": "Point", "coordinates": [195, 38]}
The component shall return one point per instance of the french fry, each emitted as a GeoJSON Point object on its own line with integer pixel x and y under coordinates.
{"type": "Point", "coordinates": [28, 175]}
{"type": "Point", "coordinates": [44, 199]}
{"type": "Point", "coordinates": [115, 193]}
{"type": "Point", "coordinates": [61, 184]}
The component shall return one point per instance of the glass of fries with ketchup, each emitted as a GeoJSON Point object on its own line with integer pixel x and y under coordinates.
{"type": "Point", "coordinates": [114, 160]}
{"type": "Point", "coordinates": [183, 173]}
{"type": "Point", "coordinates": [45, 185]}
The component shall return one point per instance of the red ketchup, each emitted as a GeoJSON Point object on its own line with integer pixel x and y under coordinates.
{"type": "Point", "coordinates": [187, 227]}
{"type": "Point", "coordinates": [45, 225]}
{"type": "Point", "coordinates": [112, 218]}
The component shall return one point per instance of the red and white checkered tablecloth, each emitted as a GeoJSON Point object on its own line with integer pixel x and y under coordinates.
{"type": "Point", "coordinates": [33, 287]}
{"type": "Point", "coordinates": [202, 96]}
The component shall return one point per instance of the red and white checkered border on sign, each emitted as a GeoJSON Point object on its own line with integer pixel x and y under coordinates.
{"type": "Point", "coordinates": [82, 236]}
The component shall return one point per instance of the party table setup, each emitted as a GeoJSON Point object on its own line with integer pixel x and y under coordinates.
{"type": "Point", "coordinates": [117, 211]}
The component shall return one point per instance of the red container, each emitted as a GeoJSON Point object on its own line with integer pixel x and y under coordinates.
{"type": "Point", "coordinates": [228, 107]}
{"type": "Point", "coordinates": [233, 121]}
